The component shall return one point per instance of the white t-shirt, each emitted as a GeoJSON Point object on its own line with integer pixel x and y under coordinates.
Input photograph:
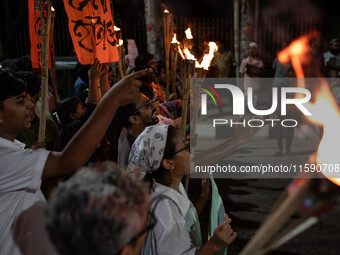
{"type": "Point", "coordinates": [173, 232]}
{"type": "Point", "coordinates": [20, 179]}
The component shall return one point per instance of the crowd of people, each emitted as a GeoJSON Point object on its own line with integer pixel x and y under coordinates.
{"type": "Point", "coordinates": [129, 199]}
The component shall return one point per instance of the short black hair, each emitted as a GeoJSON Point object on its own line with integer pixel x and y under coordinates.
{"type": "Point", "coordinates": [32, 82]}
{"type": "Point", "coordinates": [160, 66]}
{"type": "Point", "coordinates": [24, 63]}
{"type": "Point", "coordinates": [82, 72]}
{"type": "Point", "coordinates": [65, 107]}
{"type": "Point", "coordinates": [142, 60]}
{"type": "Point", "coordinates": [124, 112]}
{"type": "Point", "coordinates": [10, 85]}
{"type": "Point", "coordinates": [147, 90]}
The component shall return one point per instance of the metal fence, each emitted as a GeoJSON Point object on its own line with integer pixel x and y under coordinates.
{"type": "Point", "coordinates": [274, 31]}
{"type": "Point", "coordinates": [207, 29]}
{"type": "Point", "coordinates": [271, 33]}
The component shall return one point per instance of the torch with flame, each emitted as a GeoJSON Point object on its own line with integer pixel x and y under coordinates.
{"type": "Point", "coordinates": [201, 72]}
{"type": "Point", "coordinates": [207, 58]}
{"type": "Point", "coordinates": [174, 56]}
{"type": "Point", "coordinates": [323, 191]}
{"type": "Point", "coordinates": [189, 66]}
{"type": "Point", "coordinates": [188, 40]}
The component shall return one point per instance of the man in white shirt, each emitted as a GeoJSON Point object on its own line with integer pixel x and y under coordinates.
{"type": "Point", "coordinates": [21, 170]}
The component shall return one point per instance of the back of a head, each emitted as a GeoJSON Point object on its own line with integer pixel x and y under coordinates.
{"type": "Point", "coordinates": [97, 211]}
{"type": "Point", "coordinates": [65, 107]}
{"type": "Point", "coordinates": [160, 66]}
{"type": "Point", "coordinates": [334, 40]}
{"type": "Point", "coordinates": [124, 112]}
{"type": "Point", "coordinates": [9, 85]}
{"type": "Point", "coordinates": [83, 73]}
{"type": "Point", "coordinates": [147, 90]}
{"type": "Point", "coordinates": [142, 60]}
{"type": "Point", "coordinates": [23, 64]}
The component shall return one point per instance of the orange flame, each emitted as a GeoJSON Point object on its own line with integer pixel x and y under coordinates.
{"type": "Point", "coordinates": [324, 109]}
{"type": "Point", "coordinates": [326, 113]}
{"type": "Point", "coordinates": [181, 53]}
{"type": "Point", "coordinates": [174, 39]}
{"type": "Point", "coordinates": [207, 58]}
{"type": "Point", "coordinates": [166, 11]}
{"type": "Point", "coordinates": [116, 29]}
{"type": "Point", "coordinates": [188, 34]}
{"type": "Point", "coordinates": [188, 54]}
{"type": "Point", "coordinates": [120, 43]}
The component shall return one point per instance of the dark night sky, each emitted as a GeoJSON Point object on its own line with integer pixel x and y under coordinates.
{"type": "Point", "coordinates": [202, 8]}
{"type": "Point", "coordinates": [17, 16]}
{"type": "Point", "coordinates": [220, 8]}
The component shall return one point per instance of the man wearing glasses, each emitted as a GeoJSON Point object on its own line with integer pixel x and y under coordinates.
{"type": "Point", "coordinates": [134, 117]}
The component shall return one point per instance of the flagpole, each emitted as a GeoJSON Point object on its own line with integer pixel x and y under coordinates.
{"type": "Point", "coordinates": [45, 31]}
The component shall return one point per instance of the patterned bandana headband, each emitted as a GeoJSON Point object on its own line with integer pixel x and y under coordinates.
{"type": "Point", "coordinates": [148, 150]}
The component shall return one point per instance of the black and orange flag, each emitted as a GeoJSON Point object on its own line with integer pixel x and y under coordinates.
{"type": "Point", "coordinates": [92, 30]}
{"type": "Point", "coordinates": [35, 35]}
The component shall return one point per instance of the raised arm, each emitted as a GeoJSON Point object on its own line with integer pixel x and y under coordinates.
{"type": "Point", "coordinates": [85, 141]}
{"type": "Point", "coordinates": [94, 74]}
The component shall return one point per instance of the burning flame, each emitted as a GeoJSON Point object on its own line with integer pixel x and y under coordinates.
{"type": "Point", "coordinates": [207, 58]}
{"type": "Point", "coordinates": [324, 109]}
{"type": "Point", "coordinates": [174, 39]}
{"type": "Point", "coordinates": [52, 9]}
{"type": "Point", "coordinates": [188, 34]}
{"type": "Point", "coordinates": [180, 52]}
{"type": "Point", "coordinates": [166, 11]}
{"type": "Point", "coordinates": [188, 54]}
{"type": "Point", "coordinates": [120, 43]}
{"type": "Point", "coordinates": [186, 51]}
{"type": "Point", "coordinates": [116, 29]}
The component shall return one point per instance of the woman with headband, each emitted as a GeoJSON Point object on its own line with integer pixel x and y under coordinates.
{"type": "Point", "coordinates": [163, 156]}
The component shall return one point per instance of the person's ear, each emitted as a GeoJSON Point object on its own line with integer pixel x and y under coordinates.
{"type": "Point", "coordinates": [168, 164]}
{"type": "Point", "coordinates": [133, 119]}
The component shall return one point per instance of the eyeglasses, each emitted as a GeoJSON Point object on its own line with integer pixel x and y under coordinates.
{"type": "Point", "coordinates": [186, 147]}
{"type": "Point", "coordinates": [150, 224]}
{"type": "Point", "coordinates": [144, 105]}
